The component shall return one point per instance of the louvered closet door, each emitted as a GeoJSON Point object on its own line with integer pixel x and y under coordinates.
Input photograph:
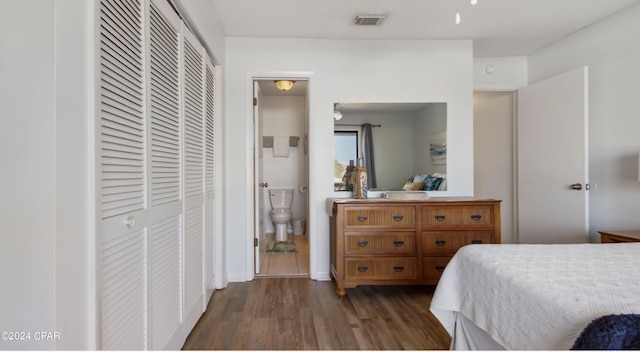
{"type": "Point", "coordinates": [165, 179]}
{"type": "Point", "coordinates": [194, 170]}
{"type": "Point", "coordinates": [210, 168]}
{"type": "Point", "coordinates": [122, 179]}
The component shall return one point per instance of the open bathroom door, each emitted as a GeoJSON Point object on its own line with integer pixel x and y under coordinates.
{"type": "Point", "coordinates": [259, 184]}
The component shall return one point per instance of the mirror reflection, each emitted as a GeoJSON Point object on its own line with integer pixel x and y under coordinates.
{"type": "Point", "coordinates": [407, 142]}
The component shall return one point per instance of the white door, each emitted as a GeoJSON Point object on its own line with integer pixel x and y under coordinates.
{"type": "Point", "coordinates": [210, 211]}
{"type": "Point", "coordinates": [552, 156]}
{"type": "Point", "coordinates": [165, 165]}
{"type": "Point", "coordinates": [194, 180]}
{"type": "Point", "coordinates": [122, 180]}
{"type": "Point", "coordinates": [259, 185]}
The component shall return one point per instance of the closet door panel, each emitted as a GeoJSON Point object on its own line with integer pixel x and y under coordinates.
{"type": "Point", "coordinates": [165, 179]}
{"type": "Point", "coordinates": [194, 171]}
{"type": "Point", "coordinates": [122, 178]}
{"type": "Point", "coordinates": [210, 169]}
{"type": "Point", "coordinates": [124, 292]}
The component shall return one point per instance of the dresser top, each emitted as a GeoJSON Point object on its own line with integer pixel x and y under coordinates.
{"type": "Point", "coordinates": [630, 234]}
{"type": "Point", "coordinates": [375, 201]}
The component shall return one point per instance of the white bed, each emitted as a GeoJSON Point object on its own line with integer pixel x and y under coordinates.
{"type": "Point", "coordinates": [534, 297]}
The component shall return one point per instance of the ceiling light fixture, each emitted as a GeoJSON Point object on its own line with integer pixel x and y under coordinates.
{"type": "Point", "coordinates": [474, 2]}
{"type": "Point", "coordinates": [284, 85]}
{"type": "Point", "coordinates": [337, 115]}
{"type": "Point", "coordinates": [457, 17]}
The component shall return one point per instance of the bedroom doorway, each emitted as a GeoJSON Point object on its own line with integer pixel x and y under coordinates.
{"type": "Point", "coordinates": [547, 157]}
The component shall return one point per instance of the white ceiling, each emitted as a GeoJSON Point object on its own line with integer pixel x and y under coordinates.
{"type": "Point", "coordinates": [497, 27]}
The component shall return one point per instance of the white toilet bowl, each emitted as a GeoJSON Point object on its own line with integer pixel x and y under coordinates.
{"type": "Point", "coordinates": [281, 218]}
{"type": "Point", "coordinates": [280, 199]}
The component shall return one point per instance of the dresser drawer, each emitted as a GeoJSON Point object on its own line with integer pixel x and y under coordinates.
{"type": "Point", "coordinates": [448, 242]}
{"type": "Point", "coordinates": [381, 242]}
{"type": "Point", "coordinates": [457, 216]}
{"type": "Point", "coordinates": [399, 268]}
{"type": "Point", "coordinates": [432, 267]}
{"type": "Point", "coordinates": [380, 217]}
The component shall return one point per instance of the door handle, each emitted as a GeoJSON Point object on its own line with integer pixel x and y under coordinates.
{"type": "Point", "coordinates": [264, 184]}
{"type": "Point", "coordinates": [576, 186]}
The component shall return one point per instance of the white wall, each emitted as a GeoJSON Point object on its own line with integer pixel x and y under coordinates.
{"type": "Point", "coordinates": [493, 124]}
{"type": "Point", "coordinates": [45, 189]}
{"type": "Point", "coordinates": [611, 49]}
{"type": "Point", "coordinates": [499, 73]}
{"type": "Point", "coordinates": [344, 71]}
{"type": "Point", "coordinates": [27, 210]}
{"type": "Point", "coordinates": [284, 116]}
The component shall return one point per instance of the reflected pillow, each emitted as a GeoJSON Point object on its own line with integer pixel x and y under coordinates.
{"type": "Point", "coordinates": [419, 178]}
{"type": "Point", "coordinates": [413, 186]}
{"type": "Point", "coordinates": [432, 183]}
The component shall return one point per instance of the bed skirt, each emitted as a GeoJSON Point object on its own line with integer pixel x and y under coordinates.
{"type": "Point", "coordinates": [469, 337]}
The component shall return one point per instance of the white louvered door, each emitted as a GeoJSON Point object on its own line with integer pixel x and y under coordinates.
{"type": "Point", "coordinates": [156, 164]}
{"type": "Point", "coordinates": [210, 170]}
{"type": "Point", "coordinates": [194, 171]}
{"type": "Point", "coordinates": [122, 177]}
{"type": "Point", "coordinates": [165, 179]}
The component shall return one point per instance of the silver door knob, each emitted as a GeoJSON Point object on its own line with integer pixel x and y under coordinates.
{"type": "Point", "coordinates": [576, 186]}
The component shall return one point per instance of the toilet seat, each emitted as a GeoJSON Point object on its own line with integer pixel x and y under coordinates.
{"type": "Point", "coordinates": [280, 213]}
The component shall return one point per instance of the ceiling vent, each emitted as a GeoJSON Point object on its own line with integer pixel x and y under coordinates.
{"type": "Point", "coordinates": [368, 20]}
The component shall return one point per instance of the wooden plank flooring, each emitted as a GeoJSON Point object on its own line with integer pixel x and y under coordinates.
{"type": "Point", "coordinates": [302, 314]}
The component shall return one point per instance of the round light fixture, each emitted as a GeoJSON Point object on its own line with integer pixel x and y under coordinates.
{"type": "Point", "coordinates": [284, 85]}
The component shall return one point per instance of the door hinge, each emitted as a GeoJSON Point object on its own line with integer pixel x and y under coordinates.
{"type": "Point", "coordinates": [255, 242]}
{"type": "Point", "coordinates": [255, 101]}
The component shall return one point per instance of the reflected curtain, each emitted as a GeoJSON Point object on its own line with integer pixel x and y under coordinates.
{"type": "Point", "coordinates": [367, 155]}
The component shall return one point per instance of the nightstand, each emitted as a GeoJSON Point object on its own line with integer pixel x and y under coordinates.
{"type": "Point", "coordinates": [619, 236]}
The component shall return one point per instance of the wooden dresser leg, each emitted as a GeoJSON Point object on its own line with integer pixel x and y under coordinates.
{"type": "Point", "coordinates": [341, 292]}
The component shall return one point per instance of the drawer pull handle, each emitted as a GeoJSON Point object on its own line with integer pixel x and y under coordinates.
{"type": "Point", "coordinates": [362, 269]}
{"type": "Point", "coordinates": [440, 268]}
{"type": "Point", "coordinates": [440, 217]}
{"type": "Point", "coordinates": [476, 241]}
{"type": "Point", "coordinates": [440, 243]}
{"type": "Point", "coordinates": [398, 269]}
{"type": "Point", "coordinates": [476, 217]}
{"type": "Point", "coordinates": [362, 243]}
{"type": "Point", "coordinates": [398, 217]}
{"type": "Point", "coordinates": [398, 243]}
{"type": "Point", "coordinates": [362, 218]}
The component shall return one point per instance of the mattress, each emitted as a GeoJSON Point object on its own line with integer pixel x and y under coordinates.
{"type": "Point", "coordinates": [537, 296]}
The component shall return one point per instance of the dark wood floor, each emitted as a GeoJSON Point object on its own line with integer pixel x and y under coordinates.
{"type": "Point", "coordinates": [302, 314]}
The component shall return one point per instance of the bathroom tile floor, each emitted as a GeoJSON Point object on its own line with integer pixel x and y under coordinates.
{"type": "Point", "coordinates": [286, 264]}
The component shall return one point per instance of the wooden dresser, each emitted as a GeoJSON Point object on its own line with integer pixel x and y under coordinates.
{"type": "Point", "coordinates": [402, 242]}
{"type": "Point", "coordinates": [619, 236]}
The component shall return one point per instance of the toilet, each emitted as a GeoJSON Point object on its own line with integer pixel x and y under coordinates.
{"type": "Point", "coordinates": [280, 199]}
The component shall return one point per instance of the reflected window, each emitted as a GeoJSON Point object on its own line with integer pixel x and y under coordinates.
{"type": "Point", "coordinates": [345, 144]}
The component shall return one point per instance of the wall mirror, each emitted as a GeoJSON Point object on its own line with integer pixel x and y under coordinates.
{"type": "Point", "coordinates": [408, 139]}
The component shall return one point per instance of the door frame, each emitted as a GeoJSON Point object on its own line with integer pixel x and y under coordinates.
{"type": "Point", "coordinates": [250, 200]}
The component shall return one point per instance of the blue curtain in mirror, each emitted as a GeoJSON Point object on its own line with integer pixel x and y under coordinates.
{"type": "Point", "coordinates": [367, 154]}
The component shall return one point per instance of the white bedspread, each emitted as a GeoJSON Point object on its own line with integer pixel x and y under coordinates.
{"type": "Point", "coordinates": [538, 296]}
